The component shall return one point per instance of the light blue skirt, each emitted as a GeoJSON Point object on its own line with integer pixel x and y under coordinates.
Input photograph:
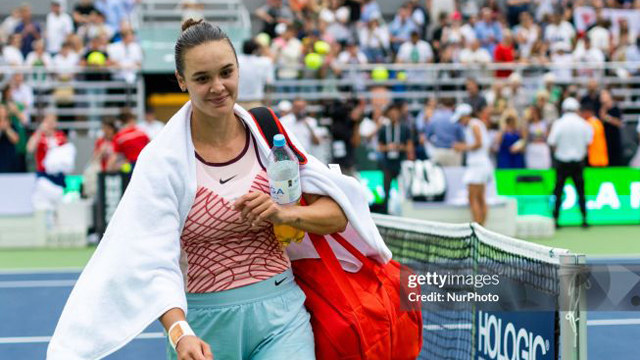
{"type": "Point", "coordinates": [265, 320]}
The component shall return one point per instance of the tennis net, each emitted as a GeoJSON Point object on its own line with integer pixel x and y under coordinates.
{"type": "Point", "coordinates": [529, 290]}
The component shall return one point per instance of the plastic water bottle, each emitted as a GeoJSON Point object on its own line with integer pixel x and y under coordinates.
{"type": "Point", "coordinates": [283, 170]}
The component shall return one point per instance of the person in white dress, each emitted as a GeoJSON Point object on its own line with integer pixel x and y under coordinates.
{"type": "Point", "coordinates": [479, 170]}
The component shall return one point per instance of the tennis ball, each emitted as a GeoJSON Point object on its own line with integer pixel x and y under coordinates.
{"type": "Point", "coordinates": [96, 58]}
{"type": "Point", "coordinates": [321, 47]}
{"type": "Point", "coordinates": [126, 168]}
{"type": "Point", "coordinates": [401, 75]}
{"type": "Point", "coordinates": [380, 74]}
{"type": "Point", "coordinates": [313, 61]}
{"type": "Point", "coordinates": [263, 39]}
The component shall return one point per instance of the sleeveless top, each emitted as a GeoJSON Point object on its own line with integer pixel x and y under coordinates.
{"type": "Point", "coordinates": [479, 156]}
{"type": "Point", "coordinates": [222, 251]}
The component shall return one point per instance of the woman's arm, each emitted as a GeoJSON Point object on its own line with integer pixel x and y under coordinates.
{"type": "Point", "coordinates": [189, 347]}
{"type": "Point", "coordinates": [321, 216]}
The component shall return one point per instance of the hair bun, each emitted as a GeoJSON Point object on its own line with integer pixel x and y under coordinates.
{"type": "Point", "coordinates": [189, 23]}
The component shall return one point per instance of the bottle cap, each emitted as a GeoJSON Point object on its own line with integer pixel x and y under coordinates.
{"type": "Point", "coordinates": [279, 140]}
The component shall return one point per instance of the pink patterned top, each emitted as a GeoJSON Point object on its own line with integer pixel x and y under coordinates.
{"type": "Point", "coordinates": [222, 252]}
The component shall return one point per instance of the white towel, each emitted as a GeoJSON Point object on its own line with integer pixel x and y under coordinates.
{"type": "Point", "coordinates": [138, 271]}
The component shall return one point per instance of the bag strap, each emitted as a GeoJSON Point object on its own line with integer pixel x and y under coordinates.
{"type": "Point", "coordinates": [269, 126]}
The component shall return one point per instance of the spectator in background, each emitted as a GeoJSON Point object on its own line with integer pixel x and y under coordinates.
{"type": "Point", "coordinates": [58, 26]}
{"type": "Point", "coordinates": [611, 117]}
{"type": "Point", "coordinates": [76, 43]}
{"type": "Point", "coordinates": [114, 11]}
{"type": "Point", "coordinates": [473, 54]}
{"type": "Point", "coordinates": [150, 125]}
{"type": "Point", "coordinates": [346, 117]}
{"type": "Point", "coordinates": [592, 96]}
{"type": "Point", "coordinates": [488, 30]}
{"type": "Point", "coordinates": [600, 36]}
{"type": "Point", "coordinates": [9, 139]}
{"type": "Point", "coordinates": [96, 27]}
{"type": "Point", "coordinates": [256, 72]}
{"type": "Point", "coordinates": [81, 13]}
{"type": "Point", "coordinates": [597, 151]}
{"type": "Point", "coordinates": [9, 24]}
{"type": "Point", "coordinates": [374, 39]}
{"type": "Point", "coordinates": [287, 51]}
{"type": "Point", "coordinates": [334, 22]}
{"type": "Point", "coordinates": [15, 111]}
{"type": "Point", "coordinates": [559, 59]}
{"type": "Point", "coordinates": [420, 16]}
{"type": "Point", "coordinates": [526, 33]}
{"type": "Point", "coordinates": [351, 55]}
{"type": "Point", "coordinates": [504, 52]}
{"type": "Point", "coordinates": [28, 29]}
{"type": "Point", "coordinates": [510, 144]}
{"type": "Point", "coordinates": [127, 56]}
{"type": "Point", "coordinates": [559, 34]}
{"type": "Point", "coordinates": [46, 137]}
{"type": "Point", "coordinates": [65, 62]}
{"type": "Point", "coordinates": [441, 133]}
{"type": "Point", "coordinates": [570, 137]}
{"type": "Point", "coordinates": [401, 28]}
{"type": "Point", "coordinates": [635, 161]}
{"type": "Point", "coordinates": [479, 170]}
{"type": "Point", "coordinates": [39, 57]}
{"type": "Point", "coordinates": [438, 32]}
{"type": "Point", "coordinates": [537, 154]}
{"type": "Point", "coordinates": [104, 148]}
{"type": "Point", "coordinates": [370, 10]}
{"type": "Point", "coordinates": [303, 126]}
{"type": "Point", "coordinates": [272, 14]}
{"type": "Point", "coordinates": [97, 61]}
{"type": "Point", "coordinates": [474, 98]}
{"type": "Point", "coordinates": [11, 52]}
{"type": "Point", "coordinates": [128, 143]}
{"type": "Point", "coordinates": [516, 95]}
{"type": "Point", "coordinates": [415, 51]}
{"type": "Point", "coordinates": [456, 32]}
{"type": "Point", "coordinates": [515, 9]}
{"type": "Point", "coordinates": [587, 54]}
{"type": "Point", "coordinates": [394, 143]}
{"type": "Point", "coordinates": [22, 93]}
{"type": "Point", "coordinates": [547, 110]}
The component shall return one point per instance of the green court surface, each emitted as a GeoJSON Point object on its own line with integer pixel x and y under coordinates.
{"type": "Point", "coordinates": [603, 241]}
{"type": "Point", "coordinates": [46, 258]}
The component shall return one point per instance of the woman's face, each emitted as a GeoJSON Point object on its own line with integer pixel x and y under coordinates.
{"type": "Point", "coordinates": [211, 78]}
{"type": "Point", "coordinates": [108, 131]}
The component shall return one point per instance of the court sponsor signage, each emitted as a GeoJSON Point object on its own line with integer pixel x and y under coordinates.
{"type": "Point", "coordinates": [515, 335]}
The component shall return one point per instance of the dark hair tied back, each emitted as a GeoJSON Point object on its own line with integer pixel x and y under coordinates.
{"type": "Point", "coordinates": [194, 33]}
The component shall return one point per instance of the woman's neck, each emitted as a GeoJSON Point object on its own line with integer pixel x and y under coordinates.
{"type": "Point", "coordinates": [214, 132]}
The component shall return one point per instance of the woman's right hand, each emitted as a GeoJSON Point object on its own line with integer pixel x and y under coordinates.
{"type": "Point", "coordinates": [193, 348]}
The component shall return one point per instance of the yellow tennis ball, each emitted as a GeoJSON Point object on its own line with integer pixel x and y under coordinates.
{"type": "Point", "coordinates": [313, 61]}
{"type": "Point", "coordinates": [380, 74]}
{"type": "Point", "coordinates": [402, 75]}
{"type": "Point", "coordinates": [126, 168]}
{"type": "Point", "coordinates": [322, 47]}
{"type": "Point", "coordinates": [263, 39]}
{"type": "Point", "coordinates": [96, 58]}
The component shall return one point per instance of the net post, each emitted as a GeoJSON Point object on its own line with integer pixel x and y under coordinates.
{"type": "Point", "coordinates": [572, 304]}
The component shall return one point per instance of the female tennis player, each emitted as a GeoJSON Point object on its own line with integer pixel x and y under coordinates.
{"type": "Point", "coordinates": [479, 170]}
{"type": "Point", "coordinates": [192, 240]}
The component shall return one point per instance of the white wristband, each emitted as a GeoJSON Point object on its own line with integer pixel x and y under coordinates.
{"type": "Point", "coordinates": [177, 331]}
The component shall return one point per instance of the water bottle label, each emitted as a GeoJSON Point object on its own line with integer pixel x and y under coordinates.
{"type": "Point", "coordinates": [285, 192]}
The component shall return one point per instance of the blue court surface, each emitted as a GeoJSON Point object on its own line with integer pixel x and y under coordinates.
{"type": "Point", "coordinates": [31, 302]}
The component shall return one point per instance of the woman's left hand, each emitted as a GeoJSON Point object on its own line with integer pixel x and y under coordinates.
{"type": "Point", "coordinates": [257, 208]}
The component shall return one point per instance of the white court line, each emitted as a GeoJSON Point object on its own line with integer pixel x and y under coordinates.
{"type": "Point", "coordinates": [37, 283]}
{"type": "Point", "coordinates": [74, 270]}
{"type": "Point", "coordinates": [609, 322]}
{"type": "Point", "coordinates": [46, 339]}
{"type": "Point", "coordinates": [599, 322]}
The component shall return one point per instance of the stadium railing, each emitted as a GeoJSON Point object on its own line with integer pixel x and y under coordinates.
{"type": "Point", "coordinates": [80, 98]}
{"type": "Point", "coordinates": [425, 81]}
{"type": "Point", "coordinates": [171, 12]}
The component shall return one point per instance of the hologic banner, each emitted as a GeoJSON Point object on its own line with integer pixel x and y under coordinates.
{"type": "Point", "coordinates": [515, 336]}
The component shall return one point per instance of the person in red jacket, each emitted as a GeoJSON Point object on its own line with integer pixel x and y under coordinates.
{"type": "Point", "coordinates": [128, 143]}
{"type": "Point", "coordinates": [504, 53]}
{"type": "Point", "coordinates": [47, 136]}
